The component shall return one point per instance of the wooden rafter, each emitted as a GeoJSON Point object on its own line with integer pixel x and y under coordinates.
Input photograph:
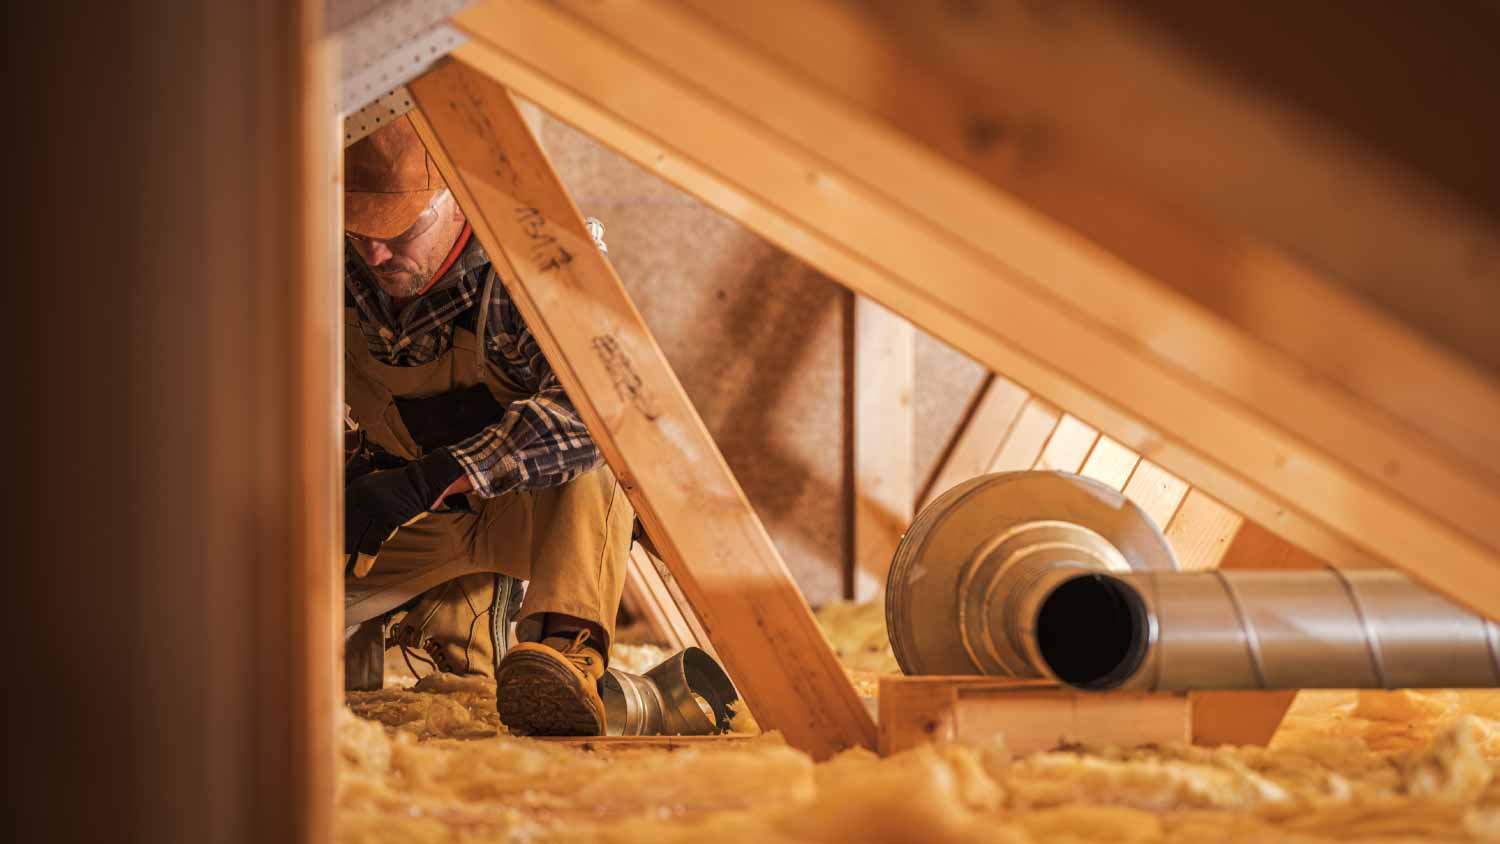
{"type": "Point", "coordinates": [1253, 422]}
{"type": "Point", "coordinates": [637, 412]}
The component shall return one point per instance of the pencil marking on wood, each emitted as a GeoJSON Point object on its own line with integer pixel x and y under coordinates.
{"type": "Point", "coordinates": [627, 381]}
{"type": "Point", "coordinates": [547, 252]}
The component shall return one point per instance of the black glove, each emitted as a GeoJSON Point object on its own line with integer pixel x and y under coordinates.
{"type": "Point", "coordinates": [378, 503]}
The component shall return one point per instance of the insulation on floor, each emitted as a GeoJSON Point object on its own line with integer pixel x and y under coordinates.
{"type": "Point", "coordinates": [431, 763]}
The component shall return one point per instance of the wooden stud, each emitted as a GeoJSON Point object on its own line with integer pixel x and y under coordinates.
{"type": "Point", "coordinates": [1201, 531]}
{"type": "Point", "coordinates": [978, 436]}
{"type": "Point", "coordinates": [1031, 715]}
{"type": "Point", "coordinates": [637, 412]}
{"type": "Point", "coordinates": [1251, 428]}
{"type": "Point", "coordinates": [1110, 463]}
{"type": "Point", "coordinates": [884, 433]}
{"type": "Point", "coordinates": [1068, 447]}
{"type": "Point", "coordinates": [1156, 491]}
{"type": "Point", "coordinates": [1028, 436]}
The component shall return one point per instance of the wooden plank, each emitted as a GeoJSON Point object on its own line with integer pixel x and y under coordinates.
{"type": "Point", "coordinates": [1110, 463]}
{"type": "Point", "coordinates": [1156, 491]}
{"type": "Point", "coordinates": [637, 412]}
{"type": "Point", "coordinates": [617, 744]}
{"type": "Point", "coordinates": [1032, 716]}
{"type": "Point", "coordinates": [1201, 531]}
{"type": "Point", "coordinates": [1251, 428]}
{"type": "Point", "coordinates": [979, 436]}
{"type": "Point", "coordinates": [1068, 446]}
{"type": "Point", "coordinates": [884, 433]}
{"type": "Point", "coordinates": [1027, 437]}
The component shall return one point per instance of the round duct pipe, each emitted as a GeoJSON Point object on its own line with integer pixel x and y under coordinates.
{"type": "Point", "coordinates": [688, 694]}
{"type": "Point", "coordinates": [1045, 574]}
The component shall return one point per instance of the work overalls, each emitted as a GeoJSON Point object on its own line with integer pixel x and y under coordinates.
{"type": "Point", "coordinates": [570, 541]}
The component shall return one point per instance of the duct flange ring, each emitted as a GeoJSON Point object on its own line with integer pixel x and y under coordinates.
{"type": "Point", "coordinates": [990, 535]}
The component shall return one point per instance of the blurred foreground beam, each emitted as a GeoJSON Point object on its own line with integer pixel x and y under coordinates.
{"type": "Point", "coordinates": [636, 410]}
{"type": "Point", "coordinates": [1385, 459]}
{"type": "Point", "coordinates": [174, 410]}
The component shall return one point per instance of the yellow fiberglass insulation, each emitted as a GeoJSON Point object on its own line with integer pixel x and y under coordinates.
{"type": "Point", "coordinates": [425, 764]}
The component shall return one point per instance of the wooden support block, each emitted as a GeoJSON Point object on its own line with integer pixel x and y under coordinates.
{"type": "Point", "coordinates": [637, 412]}
{"type": "Point", "coordinates": [1032, 715]}
{"type": "Point", "coordinates": [884, 433]}
{"type": "Point", "coordinates": [1238, 717]}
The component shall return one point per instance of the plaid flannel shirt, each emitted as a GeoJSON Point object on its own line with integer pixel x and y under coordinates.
{"type": "Point", "coordinates": [540, 442]}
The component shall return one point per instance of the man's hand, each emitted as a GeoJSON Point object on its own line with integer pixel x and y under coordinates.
{"type": "Point", "coordinates": [379, 503]}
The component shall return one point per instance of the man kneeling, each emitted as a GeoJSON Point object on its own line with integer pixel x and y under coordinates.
{"type": "Point", "coordinates": [482, 466]}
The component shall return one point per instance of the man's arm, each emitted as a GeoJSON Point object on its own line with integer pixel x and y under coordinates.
{"type": "Point", "coordinates": [541, 441]}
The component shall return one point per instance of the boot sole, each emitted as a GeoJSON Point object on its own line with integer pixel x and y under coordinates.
{"type": "Point", "coordinates": [538, 697]}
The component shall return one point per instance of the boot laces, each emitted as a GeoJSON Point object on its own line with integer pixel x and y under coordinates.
{"type": "Point", "coordinates": [577, 654]}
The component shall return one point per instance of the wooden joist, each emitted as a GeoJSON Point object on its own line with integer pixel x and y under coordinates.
{"type": "Point", "coordinates": [883, 432]}
{"type": "Point", "coordinates": [1031, 715]}
{"type": "Point", "coordinates": [1325, 458]}
{"type": "Point", "coordinates": [637, 412]}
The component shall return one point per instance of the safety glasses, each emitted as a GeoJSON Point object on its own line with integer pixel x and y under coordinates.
{"type": "Point", "coordinates": [425, 221]}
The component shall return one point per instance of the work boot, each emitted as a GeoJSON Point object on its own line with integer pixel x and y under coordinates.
{"type": "Point", "coordinates": [462, 625]}
{"type": "Point", "coordinates": [364, 656]}
{"type": "Point", "coordinates": [551, 687]}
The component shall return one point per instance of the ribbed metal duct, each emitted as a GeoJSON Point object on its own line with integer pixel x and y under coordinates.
{"type": "Point", "coordinates": [1044, 574]}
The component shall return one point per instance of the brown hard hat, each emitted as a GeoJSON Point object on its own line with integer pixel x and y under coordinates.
{"type": "Point", "coordinates": [388, 179]}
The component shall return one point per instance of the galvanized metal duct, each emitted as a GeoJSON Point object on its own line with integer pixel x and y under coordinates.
{"type": "Point", "coordinates": [1044, 574]}
{"type": "Point", "coordinates": [1257, 630]}
{"type": "Point", "coordinates": [688, 694]}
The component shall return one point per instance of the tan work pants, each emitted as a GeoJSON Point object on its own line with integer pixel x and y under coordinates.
{"type": "Point", "coordinates": [570, 542]}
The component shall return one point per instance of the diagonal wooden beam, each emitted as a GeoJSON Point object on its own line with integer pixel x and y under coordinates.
{"type": "Point", "coordinates": [1259, 430]}
{"type": "Point", "coordinates": [638, 413]}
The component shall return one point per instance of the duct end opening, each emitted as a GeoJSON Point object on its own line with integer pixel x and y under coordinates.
{"type": "Point", "coordinates": [1092, 631]}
